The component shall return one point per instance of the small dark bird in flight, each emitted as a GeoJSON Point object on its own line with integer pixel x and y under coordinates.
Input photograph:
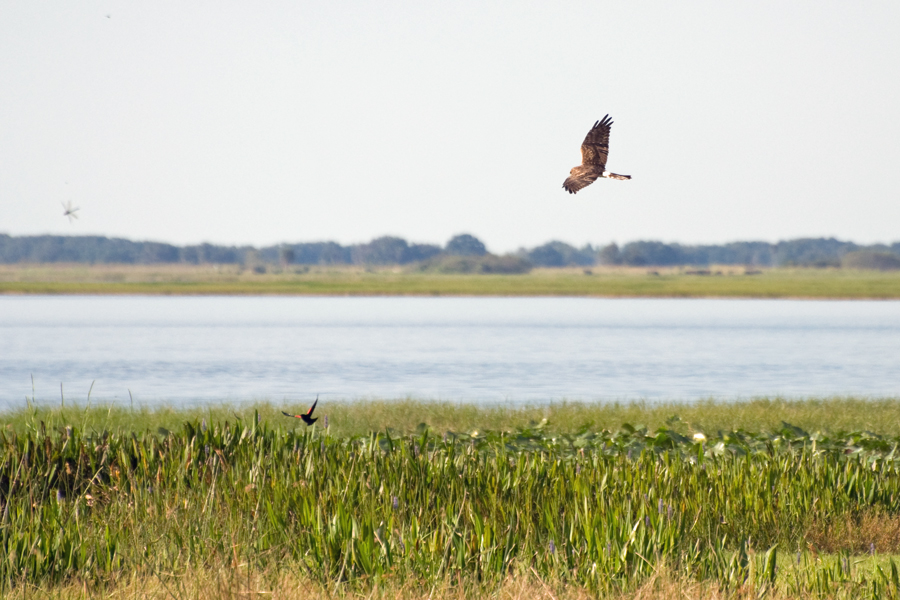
{"type": "Point", "coordinates": [307, 416]}
{"type": "Point", "coordinates": [70, 211]}
{"type": "Point", "coordinates": [594, 152]}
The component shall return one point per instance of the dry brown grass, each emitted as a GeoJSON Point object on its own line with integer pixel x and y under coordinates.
{"type": "Point", "coordinates": [225, 584]}
{"type": "Point", "coordinates": [857, 534]}
{"type": "Point", "coordinates": [228, 584]}
{"type": "Point", "coordinates": [164, 273]}
{"type": "Point", "coordinates": [154, 273]}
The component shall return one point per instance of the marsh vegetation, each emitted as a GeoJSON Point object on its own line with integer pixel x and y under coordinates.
{"type": "Point", "coordinates": [600, 281]}
{"type": "Point", "coordinates": [562, 507]}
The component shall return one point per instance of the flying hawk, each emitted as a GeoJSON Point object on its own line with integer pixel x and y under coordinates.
{"type": "Point", "coordinates": [594, 152]}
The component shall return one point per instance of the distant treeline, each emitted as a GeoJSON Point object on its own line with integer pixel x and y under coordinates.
{"type": "Point", "coordinates": [819, 252]}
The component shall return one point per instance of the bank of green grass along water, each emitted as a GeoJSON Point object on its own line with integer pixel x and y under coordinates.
{"type": "Point", "coordinates": [256, 502]}
{"type": "Point", "coordinates": [348, 418]}
{"type": "Point", "coordinates": [600, 282]}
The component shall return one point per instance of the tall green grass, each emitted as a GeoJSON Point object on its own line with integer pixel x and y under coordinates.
{"type": "Point", "coordinates": [597, 509]}
{"type": "Point", "coordinates": [403, 416]}
{"type": "Point", "coordinates": [599, 281]}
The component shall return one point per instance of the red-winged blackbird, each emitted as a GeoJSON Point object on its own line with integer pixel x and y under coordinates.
{"type": "Point", "coordinates": [306, 417]}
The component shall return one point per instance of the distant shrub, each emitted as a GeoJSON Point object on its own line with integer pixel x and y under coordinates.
{"type": "Point", "coordinates": [386, 250]}
{"type": "Point", "coordinates": [321, 253]}
{"type": "Point", "coordinates": [560, 254]}
{"type": "Point", "coordinates": [209, 253]}
{"type": "Point", "coordinates": [390, 250]}
{"type": "Point", "coordinates": [640, 254]}
{"type": "Point", "coordinates": [422, 252]}
{"type": "Point", "coordinates": [874, 261]}
{"type": "Point", "coordinates": [465, 245]}
{"type": "Point", "coordinates": [808, 252]}
{"type": "Point", "coordinates": [610, 255]}
{"type": "Point", "coordinates": [489, 263]}
{"type": "Point", "coordinates": [547, 256]}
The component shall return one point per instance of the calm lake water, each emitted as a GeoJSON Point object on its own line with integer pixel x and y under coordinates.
{"type": "Point", "coordinates": [186, 350]}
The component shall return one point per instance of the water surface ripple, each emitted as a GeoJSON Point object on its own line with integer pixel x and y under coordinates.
{"type": "Point", "coordinates": [184, 350]}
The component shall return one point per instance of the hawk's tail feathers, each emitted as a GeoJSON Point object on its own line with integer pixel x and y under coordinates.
{"type": "Point", "coordinates": [617, 176]}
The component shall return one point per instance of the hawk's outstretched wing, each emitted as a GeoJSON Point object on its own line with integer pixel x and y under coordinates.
{"type": "Point", "coordinates": [582, 176]}
{"type": "Point", "coordinates": [595, 148]}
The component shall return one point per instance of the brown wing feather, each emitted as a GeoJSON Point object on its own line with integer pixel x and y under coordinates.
{"type": "Point", "coordinates": [581, 177]}
{"type": "Point", "coordinates": [595, 149]}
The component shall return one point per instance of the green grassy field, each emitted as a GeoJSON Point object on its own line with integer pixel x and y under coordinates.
{"type": "Point", "coordinates": [405, 416]}
{"type": "Point", "coordinates": [454, 501]}
{"type": "Point", "coordinates": [598, 281]}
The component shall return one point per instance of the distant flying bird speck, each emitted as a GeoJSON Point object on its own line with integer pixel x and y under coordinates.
{"type": "Point", "coordinates": [594, 152]}
{"type": "Point", "coordinates": [70, 211]}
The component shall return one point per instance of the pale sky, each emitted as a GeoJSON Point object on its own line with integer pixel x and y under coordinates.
{"type": "Point", "coordinates": [305, 120]}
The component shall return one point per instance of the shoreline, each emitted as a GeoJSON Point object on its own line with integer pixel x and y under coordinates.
{"type": "Point", "coordinates": [596, 282]}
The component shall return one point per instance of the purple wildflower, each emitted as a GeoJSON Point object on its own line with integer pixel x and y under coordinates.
{"type": "Point", "coordinates": [395, 502]}
{"type": "Point", "coordinates": [647, 520]}
{"type": "Point", "coordinates": [326, 421]}
{"type": "Point", "coordinates": [552, 547]}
